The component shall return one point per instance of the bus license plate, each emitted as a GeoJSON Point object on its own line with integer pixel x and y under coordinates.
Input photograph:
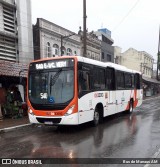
{"type": "Point", "coordinates": [48, 123]}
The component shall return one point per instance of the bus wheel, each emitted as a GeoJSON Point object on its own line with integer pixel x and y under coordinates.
{"type": "Point", "coordinates": [96, 118]}
{"type": "Point", "coordinates": [130, 106]}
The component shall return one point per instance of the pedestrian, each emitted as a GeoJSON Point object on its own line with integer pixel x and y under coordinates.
{"type": "Point", "coordinates": [17, 95]}
{"type": "Point", "coordinates": [2, 101]}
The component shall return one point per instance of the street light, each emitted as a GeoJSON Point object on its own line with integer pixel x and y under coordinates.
{"type": "Point", "coordinates": [64, 37]}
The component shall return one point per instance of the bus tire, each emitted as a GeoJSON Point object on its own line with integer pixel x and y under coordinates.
{"type": "Point", "coordinates": [130, 110]}
{"type": "Point", "coordinates": [96, 117]}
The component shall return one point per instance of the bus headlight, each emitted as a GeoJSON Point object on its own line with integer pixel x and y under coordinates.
{"type": "Point", "coordinates": [31, 112]}
{"type": "Point", "coordinates": [70, 111]}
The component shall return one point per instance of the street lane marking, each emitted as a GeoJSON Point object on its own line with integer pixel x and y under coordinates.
{"type": "Point", "coordinates": [14, 127]}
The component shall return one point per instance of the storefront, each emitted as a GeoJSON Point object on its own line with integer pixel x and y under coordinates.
{"type": "Point", "coordinates": [151, 86]}
{"type": "Point", "coordinates": [12, 89]}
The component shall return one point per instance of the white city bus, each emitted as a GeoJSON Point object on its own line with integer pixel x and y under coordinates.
{"type": "Point", "coordinates": [71, 90]}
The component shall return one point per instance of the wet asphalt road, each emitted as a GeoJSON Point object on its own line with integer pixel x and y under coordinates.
{"type": "Point", "coordinates": [135, 135]}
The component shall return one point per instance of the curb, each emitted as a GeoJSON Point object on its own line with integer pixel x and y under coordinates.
{"type": "Point", "coordinates": [13, 128]}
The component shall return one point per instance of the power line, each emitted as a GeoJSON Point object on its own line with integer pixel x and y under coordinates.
{"type": "Point", "coordinates": [126, 15]}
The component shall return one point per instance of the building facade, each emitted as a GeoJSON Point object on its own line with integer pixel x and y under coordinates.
{"type": "Point", "coordinates": [140, 61]}
{"type": "Point", "coordinates": [137, 60]}
{"type": "Point", "coordinates": [51, 40]}
{"type": "Point", "coordinates": [25, 32]}
{"type": "Point", "coordinates": [107, 50]}
{"type": "Point", "coordinates": [16, 46]}
{"type": "Point", "coordinates": [16, 41]}
{"type": "Point", "coordinates": [8, 31]}
{"type": "Point", "coordinates": [117, 54]}
{"type": "Point", "coordinates": [93, 45]}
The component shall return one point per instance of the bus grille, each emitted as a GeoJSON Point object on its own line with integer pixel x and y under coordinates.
{"type": "Point", "coordinates": [54, 120]}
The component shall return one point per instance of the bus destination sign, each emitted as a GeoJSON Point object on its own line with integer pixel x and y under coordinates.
{"type": "Point", "coordinates": [52, 64]}
{"type": "Point", "coordinates": [49, 65]}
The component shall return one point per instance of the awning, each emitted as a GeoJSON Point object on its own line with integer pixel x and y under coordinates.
{"type": "Point", "coordinates": [151, 80]}
{"type": "Point", "coordinates": [13, 69]}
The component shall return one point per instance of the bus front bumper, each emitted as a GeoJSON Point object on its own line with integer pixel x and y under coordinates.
{"type": "Point", "coordinates": [64, 120]}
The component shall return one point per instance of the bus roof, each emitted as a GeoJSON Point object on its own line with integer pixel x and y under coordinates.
{"type": "Point", "coordinates": [106, 64]}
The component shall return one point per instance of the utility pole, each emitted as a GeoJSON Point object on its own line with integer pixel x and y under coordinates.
{"type": "Point", "coordinates": [158, 56]}
{"type": "Point", "coordinates": [84, 28]}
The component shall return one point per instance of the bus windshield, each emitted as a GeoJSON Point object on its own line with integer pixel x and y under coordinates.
{"type": "Point", "coordinates": [51, 87]}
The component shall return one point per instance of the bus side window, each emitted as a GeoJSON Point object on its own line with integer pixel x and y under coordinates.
{"type": "Point", "coordinates": [110, 79]}
{"type": "Point", "coordinates": [120, 80]}
{"type": "Point", "coordinates": [138, 81]}
{"type": "Point", "coordinates": [137, 85]}
{"type": "Point", "coordinates": [128, 80]}
{"type": "Point", "coordinates": [98, 80]}
{"type": "Point", "coordinates": [133, 82]}
{"type": "Point", "coordinates": [83, 79]}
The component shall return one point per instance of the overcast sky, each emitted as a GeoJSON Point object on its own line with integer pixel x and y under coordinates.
{"type": "Point", "coordinates": [133, 23]}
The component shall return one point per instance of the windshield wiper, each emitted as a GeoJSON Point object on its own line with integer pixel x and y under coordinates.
{"type": "Point", "coordinates": [54, 78]}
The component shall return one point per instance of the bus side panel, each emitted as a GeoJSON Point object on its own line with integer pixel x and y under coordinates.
{"type": "Point", "coordinates": [139, 97]}
{"type": "Point", "coordinates": [84, 108]}
{"type": "Point", "coordinates": [128, 95]}
{"type": "Point", "coordinates": [123, 98]}
{"type": "Point", "coordinates": [87, 105]}
{"type": "Point", "coordinates": [110, 103]}
{"type": "Point", "coordinates": [120, 100]}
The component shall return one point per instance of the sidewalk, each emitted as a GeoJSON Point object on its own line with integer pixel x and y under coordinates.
{"type": "Point", "coordinates": [150, 97]}
{"type": "Point", "coordinates": [9, 123]}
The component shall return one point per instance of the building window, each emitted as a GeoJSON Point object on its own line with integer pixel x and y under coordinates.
{"type": "Point", "coordinates": [93, 56]}
{"type": "Point", "coordinates": [89, 55]}
{"type": "Point", "coordinates": [102, 55]}
{"type": "Point", "coordinates": [63, 51]}
{"type": "Point", "coordinates": [55, 51]}
{"type": "Point", "coordinates": [69, 51]}
{"type": "Point", "coordinates": [108, 57]}
{"type": "Point", "coordinates": [48, 49]}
